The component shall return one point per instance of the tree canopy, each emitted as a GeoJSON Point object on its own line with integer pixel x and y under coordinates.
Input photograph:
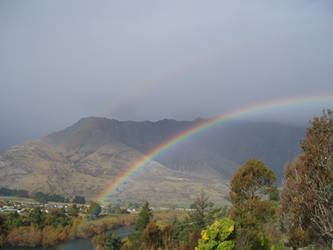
{"type": "Point", "coordinates": [251, 209]}
{"type": "Point", "coordinates": [307, 195]}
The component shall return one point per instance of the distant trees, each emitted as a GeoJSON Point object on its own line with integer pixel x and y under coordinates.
{"type": "Point", "coordinates": [115, 209]}
{"type": "Point", "coordinates": [40, 196]}
{"type": "Point", "coordinates": [307, 194]}
{"type": "Point", "coordinates": [73, 210]}
{"type": "Point", "coordinates": [79, 200]}
{"type": "Point", "coordinates": [94, 210]}
{"type": "Point", "coordinates": [38, 228]}
{"type": "Point", "coordinates": [36, 217]}
{"type": "Point", "coordinates": [57, 217]}
{"type": "Point", "coordinates": [250, 209]}
{"type": "Point", "coordinates": [45, 198]}
{"type": "Point", "coordinates": [14, 192]}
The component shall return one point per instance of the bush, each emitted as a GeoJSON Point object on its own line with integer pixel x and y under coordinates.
{"type": "Point", "coordinates": [107, 241]}
{"type": "Point", "coordinates": [219, 235]}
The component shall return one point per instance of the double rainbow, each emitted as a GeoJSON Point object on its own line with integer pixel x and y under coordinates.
{"type": "Point", "coordinates": [325, 98]}
{"type": "Point", "coordinates": [205, 125]}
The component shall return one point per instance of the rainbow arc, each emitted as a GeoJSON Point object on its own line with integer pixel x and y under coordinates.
{"type": "Point", "coordinates": [206, 124]}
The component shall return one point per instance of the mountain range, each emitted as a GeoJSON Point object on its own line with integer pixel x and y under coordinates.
{"type": "Point", "coordinates": [89, 156]}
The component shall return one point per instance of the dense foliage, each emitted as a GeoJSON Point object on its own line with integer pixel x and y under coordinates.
{"type": "Point", "coordinates": [94, 210]}
{"type": "Point", "coordinates": [36, 228]}
{"type": "Point", "coordinates": [251, 210]}
{"type": "Point", "coordinates": [79, 200]}
{"type": "Point", "coordinates": [307, 195]}
{"type": "Point", "coordinates": [39, 228]}
{"type": "Point", "coordinates": [14, 192]}
{"type": "Point", "coordinates": [40, 196]}
{"type": "Point", "coordinates": [45, 198]}
{"type": "Point", "coordinates": [219, 235]}
{"type": "Point", "coordinates": [181, 234]}
{"type": "Point", "coordinates": [145, 216]}
{"type": "Point", "coordinates": [107, 241]}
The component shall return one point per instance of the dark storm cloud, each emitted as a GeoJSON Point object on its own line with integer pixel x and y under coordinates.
{"type": "Point", "coordinates": [61, 60]}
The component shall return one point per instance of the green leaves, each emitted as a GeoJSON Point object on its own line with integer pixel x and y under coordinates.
{"type": "Point", "coordinates": [251, 210]}
{"type": "Point", "coordinates": [219, 235]}
{"type": "Point", "coordinates": [107, 241]}
{"type": "Point", "coordinates": [141, 223]}
{"type": "Point", "coordinates": [144, 218]}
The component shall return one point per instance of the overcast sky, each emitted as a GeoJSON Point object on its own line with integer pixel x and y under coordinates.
{"type": "Point", "coordinates": [148, 60]}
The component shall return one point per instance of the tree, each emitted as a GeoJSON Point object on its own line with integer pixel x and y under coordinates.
{"type": "Point", "coordinates": [201, 208]}
{"type": "Point", "coordinates": [203, 213]}
{"type": "Point", "coordinates": [107, 241]}
{"type": "Point", "coordinates": [274, 194]}
{"type": "Point", "coordinates": [79, 200]}
{"type": "Point", "coordinates": [73, 210]}
{"type": "Point", "coordinates": [14, 220]}
{"type": "Point", "coordinates": [307, 194]}
{"type": "Point", "coordinates": [251, 210]}
{"type": "Point", "coordinates": [167, 234]}
{"type": "Point", "coordinates": [40, 197]}
{"type": "Point", "coordinates": [116, 209]}
{"type": "Point", "coordinates": [152, 236]}
{"type": "Point", "coordinates": [56, 217]}
{"type": "Point", "coordinates": [3, 230]}
{"type": "Point", "coordinates": [144, 218]}
{"type": "Point", "coordinates": [141, 222]}
{"type": "Point", "coordinates": [251, 182]}
{"type": "Point", "coordinates": [94, 210]}
{"type": "Point", "coordinates": [36, 217]}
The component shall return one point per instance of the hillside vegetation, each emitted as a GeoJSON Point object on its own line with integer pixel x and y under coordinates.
{"type": "Point", "coordinates": [87, 157]}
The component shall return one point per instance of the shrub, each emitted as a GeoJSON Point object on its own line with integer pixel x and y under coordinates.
{"type": "Point", "coordinates": [219, 235]}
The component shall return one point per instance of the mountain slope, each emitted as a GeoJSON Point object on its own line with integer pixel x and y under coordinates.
{"type": "Point", "coordinates": [221, 146]}
{"type": "Point", "coordinates": [87, 157]}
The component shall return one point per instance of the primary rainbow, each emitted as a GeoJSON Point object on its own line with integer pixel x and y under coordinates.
{"type": "Point", "coordinates": [205, 125]}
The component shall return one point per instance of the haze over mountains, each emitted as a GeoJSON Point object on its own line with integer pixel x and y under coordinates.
{"type": "Point", "coordinates": [88, 156]}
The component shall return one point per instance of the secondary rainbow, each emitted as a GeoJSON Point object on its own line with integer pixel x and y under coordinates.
{"type": "Point", "coordinates": [205, 125]}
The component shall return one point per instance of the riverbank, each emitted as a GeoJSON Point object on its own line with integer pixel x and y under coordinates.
{"type": "Point", "coordinates": [52, 236]}
{"type": "Point", "coordinates": [82, 244]}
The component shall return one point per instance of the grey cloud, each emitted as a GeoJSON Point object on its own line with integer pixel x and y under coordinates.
{"type": "Point", "coordinates": [61, 60]}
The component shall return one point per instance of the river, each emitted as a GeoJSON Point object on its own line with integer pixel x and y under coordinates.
{"type": "Point", "coordinates": [82, 244]}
